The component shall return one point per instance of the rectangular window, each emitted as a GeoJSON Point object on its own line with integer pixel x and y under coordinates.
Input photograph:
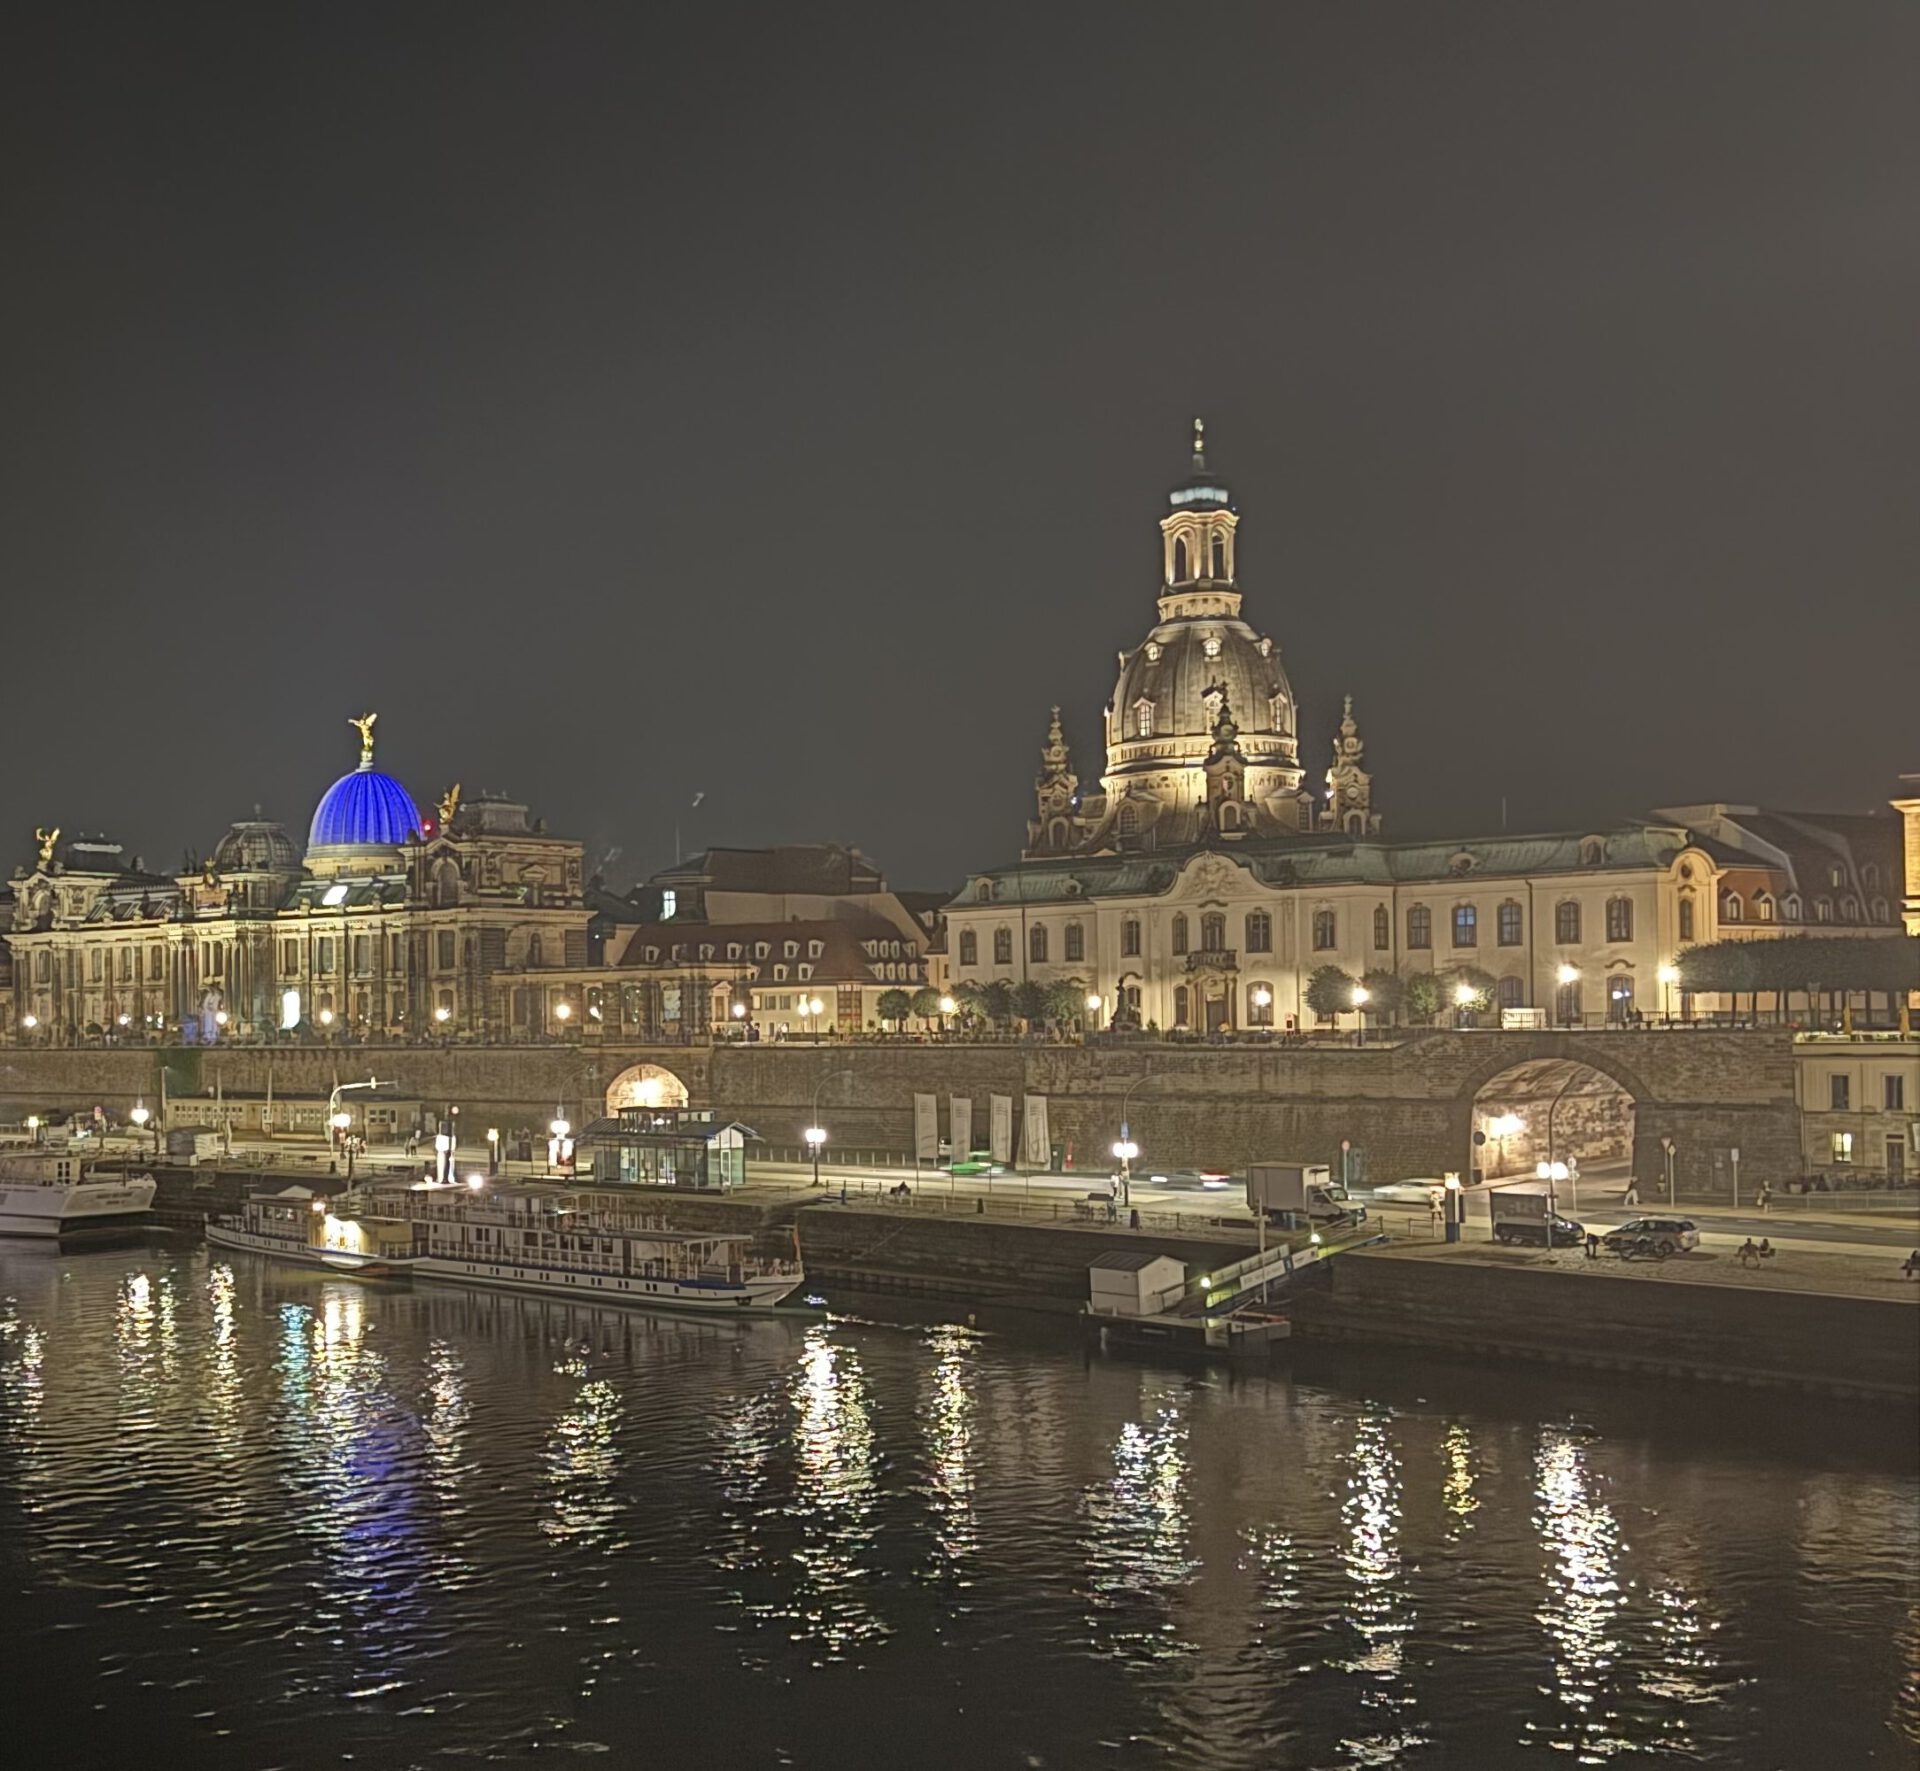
{"type": "Point", "coordinates": [1619, 919]}
{"type": "Point", "coordinates": [443, 949]}
{"type": "Point", "coordinates": [1466, 926]}
{"type": "Point", "coordinates": [397, 953]}
{"type": "Point", "coordinates": [1076, 941]}
{"type": "Point", "coordinates": [323, 954]}
{"type": "Point", "coordinates": [290, 958]}
{"type": "Point", "coordinates": [1894, 1093]}
{"type": "Point", "coordinates": [1512, 924]}
{"type": "Point", "coordinates": [1003, 946]}
{"type": "Point", "coordinates": [669, 903]}
{"type": "Point", "coordinates": [1326, 931]}
{"type": "Point", "coordinates": [1839, 1093]}
{"type": "Point", "coordinates": [969, 947]}
{"type": "Point", "coordinates": [362, 955]}
{"type": "Point", "coordinates": [1566, 923]}
{"type": "Point", "coordinates": [126, 965]}
{"type": "Point", "coordinates": [1686, 919]}
{"type": "Point", "coordinates": [1130, 939]}
{"type": "Point", "coordinates": [1259, 932]}
{"type": "Point", "coordinates": [93, 964]}
{"type": "Point", "coordinates": [1843, 1146]}
{"type": "Point", "coordinates": [1419, 926]}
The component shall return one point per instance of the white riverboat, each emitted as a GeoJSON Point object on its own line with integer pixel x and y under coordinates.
{"type": "Point", "coordinates": [51, 1193]}
{"type": "Point", "coordinates": [297, 1224]}
{"type": "Point", "coordinates": [514, 1236]}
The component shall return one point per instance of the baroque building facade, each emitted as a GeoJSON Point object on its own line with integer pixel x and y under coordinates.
{"type": "Point", "coordinates": [1200, 883]}
{"type": "Point", "coordinates": [389, 925]}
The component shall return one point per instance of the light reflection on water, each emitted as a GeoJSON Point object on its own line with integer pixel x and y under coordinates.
{"type": "Point", "coordinates": [304, 1519]}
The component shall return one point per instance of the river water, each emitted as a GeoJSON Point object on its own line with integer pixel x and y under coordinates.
{"type": "Point", "coordinates": [255, 1517]}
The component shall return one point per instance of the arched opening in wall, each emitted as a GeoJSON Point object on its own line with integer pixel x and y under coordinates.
{"type": "Point", "coordinates": [645, 1085]}
{"type": "Point", "coordinates": [1559, 1114]}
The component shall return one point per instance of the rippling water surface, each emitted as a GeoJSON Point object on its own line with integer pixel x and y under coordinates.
{"type": "Point", "coordinates": [255, 1517]}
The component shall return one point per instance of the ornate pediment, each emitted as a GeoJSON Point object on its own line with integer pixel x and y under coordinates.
{"type": "Point", "coordinates": [1212, 876]}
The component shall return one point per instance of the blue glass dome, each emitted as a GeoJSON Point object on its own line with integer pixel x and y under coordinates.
{"type": "Point", "coordinates": [366, 809]}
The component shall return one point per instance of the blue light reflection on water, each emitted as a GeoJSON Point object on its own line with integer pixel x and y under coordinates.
{"type": "Point", "coordinates": [285, 1517]}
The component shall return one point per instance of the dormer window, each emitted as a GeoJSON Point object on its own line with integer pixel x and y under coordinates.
{"type": "Point", "coordinates": [669, 904]}
{"type": "Point", "coordinates": [815, 949]}
{"type": "Point", "coordinates": [779, 974]}
{"type": "Point", "coordinates": [761, 950]}
{"type": "Point", "coordinates": [793, 949]}
{"type": "Point", "coordinates": [1153, 651]}
{"type": "Point", "coordinates": [1143, 718]}
{"type": "Point", "coordinates": [653, 955]}
{"type": "Point", "coordinates": [1592, 852]}
{"type": "Point", "coordinates": [1211, 645]}
{"type": "Point", "coordinates": [804, 972]}
{"type": "Point", "coordinates": [733, 949]}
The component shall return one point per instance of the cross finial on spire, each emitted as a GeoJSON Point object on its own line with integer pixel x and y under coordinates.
{"type": "Point", "coordinates": [1200, 445]}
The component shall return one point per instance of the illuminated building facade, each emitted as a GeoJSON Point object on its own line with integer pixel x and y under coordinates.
{"type": "Point", "coordinates": [1200, 885]}
{"type": "Point", "coordinates": [389, 925]}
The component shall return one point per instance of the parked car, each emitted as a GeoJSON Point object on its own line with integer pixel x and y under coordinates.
{"type": "Point", "coordinates": [1658, 1237]}
{"type": "Point", "coordinates": [1567, 1233]}
{"type": "Point", "coordinates": [1192, 1180]}
{"type": "Point", "coordinates": [1410, 1192]}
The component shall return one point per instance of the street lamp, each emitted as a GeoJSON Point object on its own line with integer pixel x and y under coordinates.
{"type": "Point", "coordinates": [1093, 1007]}
{"type": "Point", "coordinates": [815, 1135]}
{"type": "Point", "coordinates": [1126, 1150]}
{"type": "Point", "coordinates": [1669, 976]}
{"type": "Point", "coordinates": [29, 1022]}
{"type": "Point", "coordinates": [1553, 1173]}
{"type": "Point", "coordinates": [140, 1115]}
{"type": "Point", "coordinates": [33, 1126]}
{"type": "Point", "coordinates": [562, 1011]}
{"type": "Point", "coordinates": [811, 1008]}
{"type": "Point", "coordinates": [442, 1154]}
{"type": "Point", "coordinates": [326, 1017]}
{"type": "Point", "coordinates": [493, 1149]}
{"type": "Point", "coordinates": [948, 1009]}
{"type": "Point", "coordinates": [559, 1142]}
{"type": "Point", "coordinates": [443, 1014]}
{"type": "Point", "coordinates": [1666, 1151]}
{"type": "Point", "coordinates": [341, 1123]}
{"type": "Point", "coordinates": [1361, 997]}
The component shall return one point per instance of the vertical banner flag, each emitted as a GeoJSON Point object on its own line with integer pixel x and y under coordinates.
{"type": "Point", "coordinates": [926, 1129]}
{"type": "Point", "coordinates": [1036, 1148]}
{"type": "Point", "coordinates": [960, 1127]}
{"type": "Point", "coordinates": [1000, 1141]}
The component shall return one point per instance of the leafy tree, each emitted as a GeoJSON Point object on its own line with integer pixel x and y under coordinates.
{"type": "Point", "coordinates": [1386, 994]}
{"type": "Point", "coordinates": [1817, 967]}
{"type": "Point", "coordinates": [996, 1001]}
{"type": "Point", "coordinates": [1066, 1001]}
{"type": "Point", "coordinates": [894, 1006]}
{"type": "Point", "coordinates": [1480, 986]}
{"type": "Point", "coordinates": [1420, 996]}
{"type": "Point", "coordinates": [1330, 992]}
{"type": "Point", "coordinates": [926, 1003]}
{"type": "Point", "coordinates": [1030, 1002]}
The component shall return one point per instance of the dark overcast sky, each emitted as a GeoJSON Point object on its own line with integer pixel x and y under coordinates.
{"type": "Point", "coordinates": [778, 402]}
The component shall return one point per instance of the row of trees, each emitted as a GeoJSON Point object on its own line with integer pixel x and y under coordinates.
{"type": "Point", "coordinates": [1056, 1004]}
{"type": "Point", "coordinates": [1821, 969]}
{"type": "Point", "coordinates": [1418, 996]}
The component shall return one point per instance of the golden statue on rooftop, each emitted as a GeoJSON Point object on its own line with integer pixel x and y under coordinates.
{"type": "Point", "coordinates": [449, 804]}
{"type": "Point", "coordinates": [46, 839]}
{"type": "Point", "coordinates": [364, 726]}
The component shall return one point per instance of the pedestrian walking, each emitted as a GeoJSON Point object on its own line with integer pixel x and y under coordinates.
{"type": "Point", "coordinates": [1437, 1210]}
{"type": "Point", "coordinates": [1766, 1195]}
{"type": "Point", "coordinates": [1910, 1267]}
{"type": "Point", "coordinates": [1593, 1246]}
{"type": "Point", "coordinates": [1632, 1195]}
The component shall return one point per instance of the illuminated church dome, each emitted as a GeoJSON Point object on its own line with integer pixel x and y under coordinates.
{"type": "Point", "coordinates": [256, 845]}
{"type": "Point", "coordinates": [364, 816]}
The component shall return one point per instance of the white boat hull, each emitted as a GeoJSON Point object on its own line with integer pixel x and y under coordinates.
{"type": "Point", "coordinates": [57, 1210]}
{"type": "Point", "coordinates": [710, 1297]}
{"type": "Point", "coordinates": [333, 1260]}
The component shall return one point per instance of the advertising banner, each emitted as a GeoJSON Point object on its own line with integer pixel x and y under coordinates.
{"type": "Point", "coordinates": [926, 1128]}
{"type": "Point", "coordinates": [1000, 1140]}
{"type": "Point", "coordinates": [1035, 1146]}
{"type": "Point", "coordinates": [960, 1127]}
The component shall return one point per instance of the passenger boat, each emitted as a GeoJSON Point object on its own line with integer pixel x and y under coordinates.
{"type": "Point", "coordinates": [50, 1193]}
{"type": "Point", "coordinates": [515, 1236]}
{"type": "Point", "coordinates": [297, 1224]}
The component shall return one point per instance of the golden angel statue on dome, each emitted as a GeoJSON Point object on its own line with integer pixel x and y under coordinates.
{"type": "Point", "coordinates": [364, 726]}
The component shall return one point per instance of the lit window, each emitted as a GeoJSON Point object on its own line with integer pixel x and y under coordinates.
{"type": "Point", "coordinates": [335, 894]}
{"type": "Point", "coordinates": [1466, 926]}
{"type": "Point", "coordinates": [669, 904]}
{"type": "Point", "coordinates": [1843, 1146]}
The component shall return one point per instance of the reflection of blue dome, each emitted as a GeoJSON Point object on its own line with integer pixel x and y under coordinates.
{"type": "Point", "coordinates": [364, 810]}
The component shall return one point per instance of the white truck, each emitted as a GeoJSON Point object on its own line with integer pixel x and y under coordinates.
{"type": "Point", "coordinates": [1302, 1190]}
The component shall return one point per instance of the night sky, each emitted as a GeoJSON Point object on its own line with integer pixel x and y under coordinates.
{"type": "Point", "coordinates": [778, 403]}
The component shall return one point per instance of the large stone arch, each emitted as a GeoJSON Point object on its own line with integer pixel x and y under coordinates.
{"type": "Point", "coordinates": [645, 1085]}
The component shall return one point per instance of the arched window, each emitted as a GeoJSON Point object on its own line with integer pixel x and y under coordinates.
{"type": "Point", "coordinates": [1880, 910]}
{"type": "Point", "coordinates": [1213, 932]}
{"type": "Point", "coordinates": [1763, 907]}
{"type": "Point", "coordinates": [983, 892]}
{"type": "Point", "coordinates": [1259, 932]}
{"type": "Point", "coordinates": [1143, 718]}
{"type": "Point", "coordinates": [1619, 919]}
{"type": "Point", "coordinates": [1620, 997]}
{"type": "Point", "coordinates": [1730, 907]}
{"type": "Point", "coordinates": [1466, 926]}
{"type": "Point", "coordinates": [535, 954]}
{"type": "Point", "coordinates": [1419, 926]}
{"type": "Point", "coordinates": [1326, 931]}
{"type": "Point", "coordinates": [1130, 938]}
{"type": "Point", "coordinates": [1219, 556]}
{"type": "Point", "coordinates": [1790, 907]}
{"type": "Point", "coordinates": [1849, 909]}
{"type": "Point", "coordinates": [1566, 922]}
{"type": "Point", "coordinates": [1382, 928]}
{"type": "Point", "coordinates": [1511, 993]}
{"type": "Point", "coordinates": [1180, 1002]}
{"type": "Point", "coordinates": [1180, 572]}
{"type": "Point", "coordinates": [1823, 909]}
{"type": "Point", "coordinates": [1870, 876]}
{"type": "Point", "coordinates": [969, 947]}
{"type": "Point", "coordinates": [1180, 933]}
{"type": "Point", "coordinates": [1076, 941]}
{"type": "Point", "coordinates": [1512, 923]}
{"type": "Point", "coordinates": [1037, 943]}
{"type": "Point", "coordinates": [1686, 919]}
{"type": "Point", "coordinates": [446, 884]}
{"type": "Point", "coordinates": [1128, 822]}
{"type": "Point", "coordinates": [1003, 946]}
{"type": "Point", "coordinates": [1567, 1007]}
